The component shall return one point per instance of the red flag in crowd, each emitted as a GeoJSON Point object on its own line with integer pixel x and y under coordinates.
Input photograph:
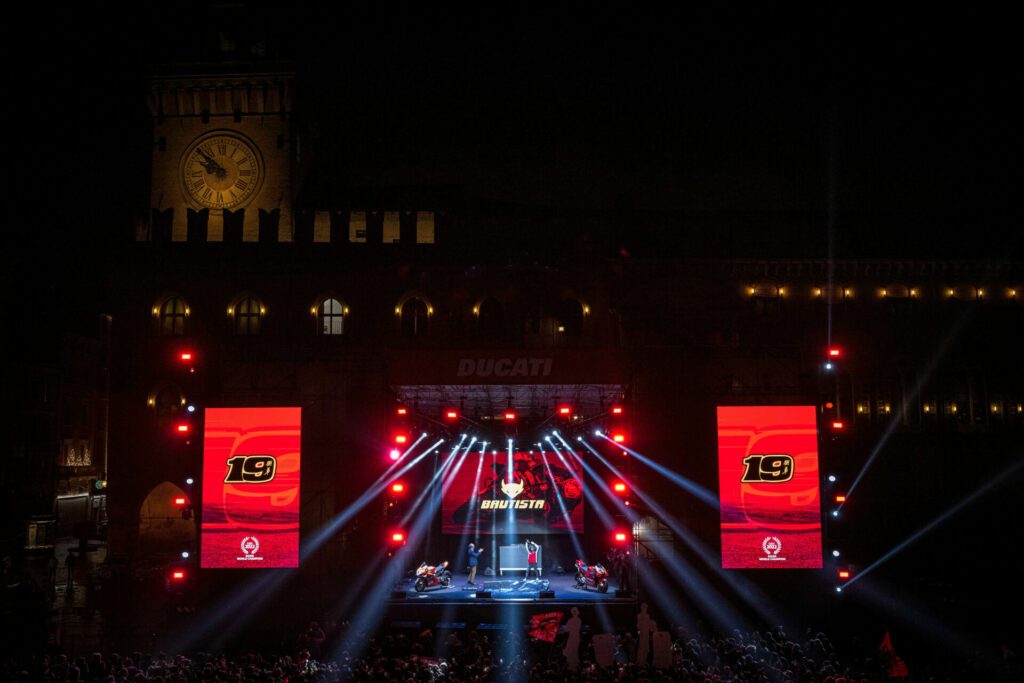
{"type": "Point", "coordinates": [893, 664]}
{"type": "Point", "coordinates": [545, 626]}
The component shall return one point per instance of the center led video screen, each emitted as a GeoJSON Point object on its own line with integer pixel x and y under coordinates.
{"type": "Point", "coordinates": [769, 487]}
{"type": "Point", "coordinates": [538, 494]}
{"type": "Point", "coordinates": [251, 459]}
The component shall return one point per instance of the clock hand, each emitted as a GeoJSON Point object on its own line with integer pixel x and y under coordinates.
{"type": "Point", "coordinates": [211, 166]}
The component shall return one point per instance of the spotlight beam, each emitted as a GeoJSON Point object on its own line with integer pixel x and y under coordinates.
{"type": "Point", "coordinates": [744, 588]}
{"type": "Point", "coordinates": [561, 503]}
{"type": "Point", "coordinates": [988, 486]}
{"type": "Point", "coordinates": [689, 485]}
{"type": "Point", "coordinates": [898, 418]}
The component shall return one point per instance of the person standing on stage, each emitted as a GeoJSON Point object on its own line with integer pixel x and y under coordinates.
{"type": "Point", "coordinates": [531, 559]}
{"type": "Point", "coordinates": [473, 555]}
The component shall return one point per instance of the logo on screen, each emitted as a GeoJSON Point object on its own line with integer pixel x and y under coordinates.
{"type": "Point", "coordinates": [771, 545]}
{"type": "Point", "coordinates": [512, 488]}
{"type": "Point", "coordinates": [770, 469]}
{"type": "Point", "coordinates": [251, 469]}
{"type": "Point", "coordinates": [250, 546]}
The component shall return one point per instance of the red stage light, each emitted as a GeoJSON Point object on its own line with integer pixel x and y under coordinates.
{"type": "Point", "coordinates": [395, 454]}
{"type": "Point", "coordinates": [397, 487]}
{"type": "Point", "coordinates": [180, 500]}
{"type": "Point", "coordinates": [185, 355]}
{"type": "Point", "coordinates": [618, 438]}
{"type": "Point", "coordinates": [565, 410]}
{"type": "Point", "coordinates": [401, 438]}
{"type": "Point", "coordinates": [401, 411]}
{"type": "Point", "coordinates": [619, 487]}
{"type": "Point", "coordinates": [620, 536]}
{"type": "Point", "coordinates": [836, 424]}
{"type": "Point", "coordinates": [833, 352]}
{"type": "Point", "coordinates": [178, 575]}
{"type": "Point", "coordinates": [829, 405]}
{"type": "Point", "coordinates": [509, 415]}
{"type": "Point", "coordinates": [182, 428]}
{"type": "Point", "coordinates": [397, 537]}
{"type": "Point", "coordinates": [840, 499]}
{"type": "Point", "coordinates": [451, 415]}
{"type": "Point", "coordinates": [844, 574]}
{"type": "Point", "coordinates": [617, 410]}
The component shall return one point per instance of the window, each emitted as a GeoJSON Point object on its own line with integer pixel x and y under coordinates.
{"type": "Point", "coordinates": [248, 314]}
{"type": "Point", "coordinates": [415, 314]}
{"type": "Point", "coordinates": [172, 314]}
{"type": "Point", "coordinates": [491, 318]}
{"type": "Point", "coordinates": [570, 318]}
{"type": "Point", "coordinates": [330, 317]}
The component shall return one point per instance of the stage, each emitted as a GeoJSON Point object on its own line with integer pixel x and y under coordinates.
{"type": "Point", "coordinates": [490, 602]}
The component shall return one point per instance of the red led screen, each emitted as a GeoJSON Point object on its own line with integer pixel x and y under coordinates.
{"type": "Point", "coordinates": [544, 494]}
{"type": "Point", "coordinates": [768, 484]}
{"type": "Point", "coordinates": [251, 487]}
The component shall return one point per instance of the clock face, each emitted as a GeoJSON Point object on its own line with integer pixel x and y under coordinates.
{"type": "Point", "coordinates": [221, 170]}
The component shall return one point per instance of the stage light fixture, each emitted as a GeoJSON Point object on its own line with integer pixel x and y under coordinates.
{"type": "Point", "coordinates": [834, 352]}
{"type": "Point", "coordinates": [509, 415]}
{"type": "Point", "coordinates": [182, 428]}
{"type": "Point", "coordinates": [397, 537]}
{"type": "Point", "coordinates": [185, 356]}
{"type": "Point", "coordinates": [837, 425]}
{"type": "Point", "coordinates": [401, 438]}
{"type": "Point", "coordinates": [832, 478]}
{"type": "Point", "coordinates": [394, 454]}
{"type": "Point", "coordinates": [620, 536]}
{"type": "Point", "coordinates": [452, 414]}
{"type": "Point", "coordinates": [840, 499]}
{"type": "Point", "coordinates": [618, 438]}
{"type": "Point", "coordinates": [835, 513]}
{"type": "Point", "coordinates": [184, 554]}
{"type": "Point", "coordinates": [191, 408]}
{"type": "Point", "coordinates": [179, 501]}
{"type": "Point", "coordinates": [397, 487]}
{"type": "Point", "coordinates": [835, 553]}
{"type": "Point", "coordinates": [190, 481]}
{"type": "Point", "coordinates": [617, 410]}
{"type": "Point", "coordinates": [828, 366]}
{"type": "Point", "coordinates": [402, 411]}
{"type": "Point", "coordinates": [839, 589]}
{"type": "Point", "coordinates": [565, 411]}
{"type": "Point", "coordinates": [844, 574]}
{"type": "Point", "coordinates": [619, 487]}
{"type": "Point", "coordinates": [178, 575]}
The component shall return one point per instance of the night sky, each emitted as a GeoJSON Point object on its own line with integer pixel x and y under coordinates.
{"type": "Point", "coordinates": [896, 133]}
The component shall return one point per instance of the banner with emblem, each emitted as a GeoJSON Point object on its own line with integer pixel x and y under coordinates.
{"type": "Point", "coordinates": [769, 487]}
{"type": "Point", "coordinates": [251, 460]}
{"type": "Point", "coordinates": [545, 626]}
{"type": "Point", "coordinates": [538, 492]}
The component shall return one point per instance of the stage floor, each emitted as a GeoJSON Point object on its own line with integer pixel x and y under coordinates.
{"type": "Point", "coordinates": [506, 588]}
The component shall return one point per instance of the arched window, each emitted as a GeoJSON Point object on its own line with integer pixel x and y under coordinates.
{"type": "Point", "coordinates": [173, 312]}
{"type": "Point", "coordinates": [491, 317]}
{"type": "Point", "coordinates": [570, 317]}
{"type": "Point", "coordinates": [330, 317]}
{"type": "Point", "coordinates": [415, 314]}
{"type": "Point", "coordinates": [248, 315]}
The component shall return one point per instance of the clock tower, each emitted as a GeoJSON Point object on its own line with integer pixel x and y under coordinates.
{"type": "Point", "coordinates": [222, 158]}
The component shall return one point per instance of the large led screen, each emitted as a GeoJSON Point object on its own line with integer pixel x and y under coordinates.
{"type": "Point", "coordinates": [251, 487]}
{"type": "Point", "coordinates": [769, 487]}
{"type": "Point", "coordinates": [529, 493]}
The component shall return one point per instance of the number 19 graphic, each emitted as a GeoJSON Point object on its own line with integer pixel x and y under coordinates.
{"type": "Point", "coordinates": [768, 468]}
{"type": "Point", "coordinates": [251, 469]}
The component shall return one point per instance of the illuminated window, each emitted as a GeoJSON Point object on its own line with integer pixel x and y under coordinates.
{"type": "Point", "coordinates": [415, 317]}
{"type": "Point", "coordinates": [167, 401]}
{"type": "Point", "coordinates": [570, 317]}
{"type": "Point", "coordinates": [248, 316]}
{"type": "Point", "coordinates": [173, 313]}
{"type": "Point", "coordinates": [330, 317]}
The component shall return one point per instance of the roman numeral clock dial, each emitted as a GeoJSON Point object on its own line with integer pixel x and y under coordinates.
{"type": "Point", "coordinates": [221, 171]}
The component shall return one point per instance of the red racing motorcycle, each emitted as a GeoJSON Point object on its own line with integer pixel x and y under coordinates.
{"type": "Point", "coordinates": [428, 577]}
{"type": "Point", "coordinates": [595, 576]}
